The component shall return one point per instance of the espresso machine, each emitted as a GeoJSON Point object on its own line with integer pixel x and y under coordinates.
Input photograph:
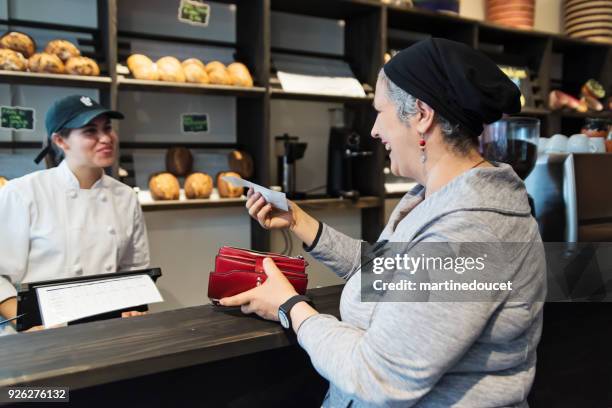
{"type": "Point", "coordinates": [513, 140]}
{"type": "Point", "coordinates": [288, 151]}
{"type": "Point", "coordinates": [344, 154]}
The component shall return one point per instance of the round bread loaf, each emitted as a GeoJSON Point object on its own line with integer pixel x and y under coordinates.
{"type": "Point", "coordinates": [228, 190]}
{"type": "Point", "coordinates": [179, 161]}
{"type": "Point", "coordinates": [196, 61]}
{"type": "Point", "coordinates": [142, 67]}
{"type": "Point", "coordinates": [20, 42]}
{"type": "Point", "coordinates": [195, 74]}
{"type": "Point", "coordinates": [215, 65]}
{"type": "Point", "coordinates": [3, 181]}
{"type": "Point", "coordinates": [12, 60]}
{"type": "Point", "coordinates": [82, 66]}
{"type": "Point", "coordinates": [170, 69]}
{"type": "Point", "coordinates": [198, 185]}
{"type": "Point", "coordinates": [164, 186]}
{"type": "Point", "coordinates": [43, 62]}
{"type": "Point", "coordinates": [63, 49]}
{"type": "Point", "coordinates": [218, 77]}
{"type": "Point", "coordinates": [240, 74]}
{"type": "Point", "coordinates": [241, 163]}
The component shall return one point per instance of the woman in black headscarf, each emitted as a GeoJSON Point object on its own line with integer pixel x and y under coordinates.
{"type": "Point", "coordinates": [432, 101]}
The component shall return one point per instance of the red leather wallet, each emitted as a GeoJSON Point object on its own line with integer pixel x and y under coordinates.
{"type": "Point", "coordinates": [238, 270]}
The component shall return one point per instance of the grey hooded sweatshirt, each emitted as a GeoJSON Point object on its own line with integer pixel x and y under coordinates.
{"type": "Point", "coordinates": [435, 354]}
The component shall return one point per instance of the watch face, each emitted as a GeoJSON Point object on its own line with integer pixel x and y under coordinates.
{"type": "Point", "coordinates": [282, 317]}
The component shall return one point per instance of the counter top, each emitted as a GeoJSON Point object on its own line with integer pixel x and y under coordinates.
{"type": "Point", "coordinates": [97, 353]}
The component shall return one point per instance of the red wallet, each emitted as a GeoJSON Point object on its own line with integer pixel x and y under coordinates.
{"type": "Point", "coordinates": [238, 270]}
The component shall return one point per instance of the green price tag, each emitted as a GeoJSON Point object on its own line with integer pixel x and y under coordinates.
{"type": "Point", "coordinates": [194, 122]}
{"type": "Point", "coordinates": [16, 118]}
{"type": "Point", "coordinates": [194, 12]}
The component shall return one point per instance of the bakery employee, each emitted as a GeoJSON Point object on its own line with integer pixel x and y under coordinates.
{"type": "Point", "coordinates": [71, 220]}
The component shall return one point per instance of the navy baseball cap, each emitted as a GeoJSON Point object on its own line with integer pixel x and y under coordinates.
{"type": "Point", "coordinates": [72, 112]}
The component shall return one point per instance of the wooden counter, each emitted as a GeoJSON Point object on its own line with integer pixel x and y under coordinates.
{"type": "Point", "coordinates": [97, 353]}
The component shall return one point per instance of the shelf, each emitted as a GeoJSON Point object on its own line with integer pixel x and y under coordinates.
{"type": "Point", "coordinates": [47, 26]}
{"type": "Point", "coordinates": [309, 203]}
{"type": "Point", "coordinates": [168, 145]}
{"type": "Point", "coordinates": [130, 84]}
{"type": "Point", "coordinates": [339, 203]}
{"type": "Point", "coordinates": [531, 111]}
{"type": "Point", "coordinates": [574, 114]}
{"type": "Point", "coordinates": [435, 24]}
{"type": "Point", "coordinates": [299, 96]}
{"type": "Point", "coordinates": [191, 204]}
{"type": "Point", "coordinates": [21, 145]}
{"type": "Point", "coordinates": [337, 9]}
{"type": "Point", "coordinates": [35, 78]}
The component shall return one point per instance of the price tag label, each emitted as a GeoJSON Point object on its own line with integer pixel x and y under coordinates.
{"type": "Point", "coordinates": [194, 12]}
{"type": "Point", "coordinates": [17, 118]}
{"type": "Point", "coordinates": [195, 123]}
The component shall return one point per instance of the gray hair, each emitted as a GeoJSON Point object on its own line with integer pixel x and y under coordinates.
{"type": "Point", "coordinates": [405, 105]}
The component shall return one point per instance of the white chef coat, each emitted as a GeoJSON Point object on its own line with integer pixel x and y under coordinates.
{"type": "Point", "coordinates": [53, 229]}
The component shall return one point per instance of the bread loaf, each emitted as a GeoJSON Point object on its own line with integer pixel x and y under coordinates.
{"type": "Point", "coordinates": [63, 49]}
{"type": "Point", "coordinates": [179, 161]}
{"type": "Point", "coordinates": [3, 181]}
{"type": "Point", "coordinates": [170, 69]}
{"type": "Point", "coordinates": [228, 190]}
{"type": "Point", "coordinates": [82, 66]}
{"type": "Point", "coordinates": [215, 65]}
{"type": "Point", "coordinates": [142, 67]}
{"type": "Point", "coordinates": [195, 73]}
{"type": "Point", "coordinates": [240, 74]}
{"type": "Point", "coordinates": [218, 74]}
{"type": "Point", "coordinates": [164, 186]}
{"type": "Point", "coordinates": [195, 61]}
{"type": "Point", "coordinates": [43, 62]}
{"type": "Point", "coordinates": [198, 185]}
{"type": "Point", "coordinates": [241, 163]}
{"type": "Point", "coordinates": [20, 42]}
{"type": "Point", "coordinates": [12, 60]}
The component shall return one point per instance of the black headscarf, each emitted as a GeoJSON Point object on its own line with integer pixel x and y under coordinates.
{"type": "Point", "coordinates": [461, 84]}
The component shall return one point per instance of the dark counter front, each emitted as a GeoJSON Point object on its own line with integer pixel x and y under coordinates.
{"type": "Point", "coordinates": [207, 350]}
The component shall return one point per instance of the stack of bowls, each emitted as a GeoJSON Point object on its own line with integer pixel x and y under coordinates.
{"type": "Point", "coordinates": [513, 13]}
{"type": "Point", "coordinates": [588, 19]}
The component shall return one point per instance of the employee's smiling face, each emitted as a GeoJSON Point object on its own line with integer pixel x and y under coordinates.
{"type": "Point", "coordinates": [93, 145]}
{"type": "Point", "coordinates": [400, 140]}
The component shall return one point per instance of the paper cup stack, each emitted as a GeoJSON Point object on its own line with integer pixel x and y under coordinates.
{"type": "Point", "coordinates": [513, 13]}
{"type": "Point", "coordinates": [588, 19]}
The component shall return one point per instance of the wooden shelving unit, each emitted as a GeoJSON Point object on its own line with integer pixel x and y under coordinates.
{"type": "Point", "coordinates": [131, 84]}
{"type": "Point", "coordinates": [370, 29]}
{"type": "Point", "coordinates": [33, 78]}
{"type": "Point", "coordinates": [310, 203]}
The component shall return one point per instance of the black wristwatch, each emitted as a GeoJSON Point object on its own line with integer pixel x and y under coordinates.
{"type": "Point", "coordinates": [284, 311]}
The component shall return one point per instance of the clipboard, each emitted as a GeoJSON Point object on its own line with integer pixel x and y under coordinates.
{"type": "Point", "coordinates": [27, 299]}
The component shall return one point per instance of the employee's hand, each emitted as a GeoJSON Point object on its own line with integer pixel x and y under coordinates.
{"type": "Point", "coordinates": [132, 313]}
{"type": "Point", "coordinates": [264, 300]}
{"type": "Point", "coordinates": [268, 216]}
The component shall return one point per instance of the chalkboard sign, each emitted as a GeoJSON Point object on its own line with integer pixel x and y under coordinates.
{"type": "Point", "coordinates": [194, 12]}
{"type": "Point", "coordinates": [16, 118]}
{"type": "Point", "coordinates": [194, 122]}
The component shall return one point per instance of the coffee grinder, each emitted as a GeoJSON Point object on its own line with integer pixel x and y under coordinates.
{"type": "Point", "coordinates": [344, 154]}
{"type": "Point", "coordinates": [288, 151]}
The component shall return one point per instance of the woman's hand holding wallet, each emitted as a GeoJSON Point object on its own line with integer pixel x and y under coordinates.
{"type": "Point", "coordinates": [301, 224]}
{"type": "Point", "coordinates": [266, 299]}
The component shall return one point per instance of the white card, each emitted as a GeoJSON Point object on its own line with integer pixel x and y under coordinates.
{"type": "Point", "coordinates": [276, 198]}
{"type": "Point", "coordinates": [73, 301]}
{"type": "Point", "coordinates": [343, 86]}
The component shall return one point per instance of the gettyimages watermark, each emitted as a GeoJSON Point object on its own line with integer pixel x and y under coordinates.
{"type": "Point", "coordinates": [486, 272]}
